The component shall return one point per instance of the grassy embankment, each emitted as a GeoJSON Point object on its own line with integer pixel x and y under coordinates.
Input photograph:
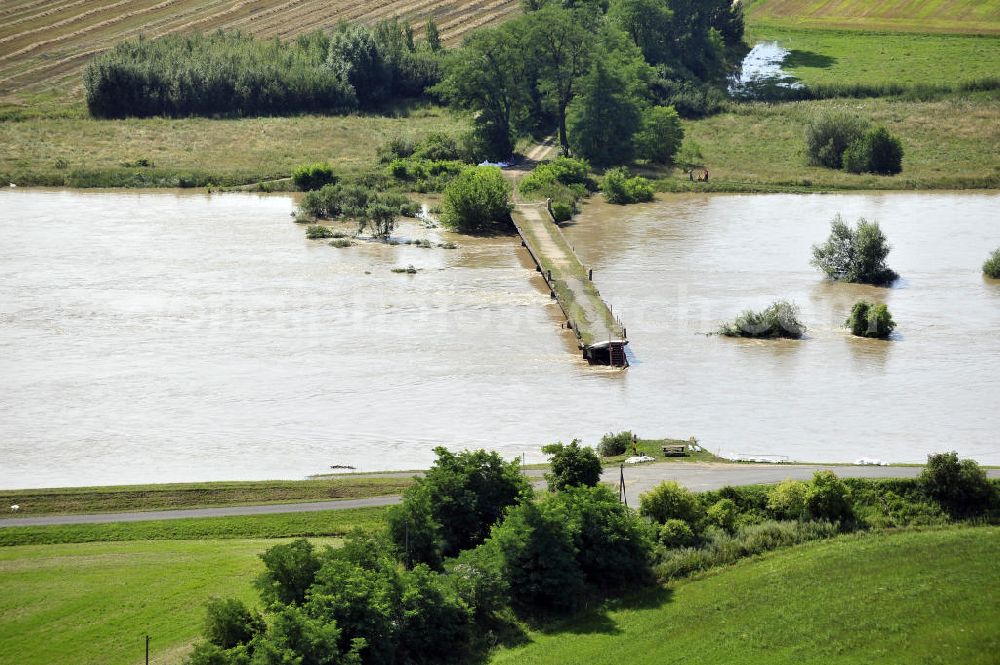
{"type": "Point", "coordinates": [173, 496]}
{"type": "Point", "coordinates": [92, 603]}
{"type": "Point", "coordinates": [905, 597]}
{"type": "Point", "coordinates": [951, 140]}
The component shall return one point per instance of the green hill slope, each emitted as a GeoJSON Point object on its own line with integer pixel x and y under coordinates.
{"type": "Point", "coordinates": [931, 597]}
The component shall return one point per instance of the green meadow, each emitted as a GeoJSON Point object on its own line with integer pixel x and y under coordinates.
{"type": "Point", "coordinates": [910, 597]}
{"type": "Point", "coordinates": [93, 603]}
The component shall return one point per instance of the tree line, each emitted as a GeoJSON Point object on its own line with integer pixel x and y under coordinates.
{"type": "Point", "coordinates": [602, 73]}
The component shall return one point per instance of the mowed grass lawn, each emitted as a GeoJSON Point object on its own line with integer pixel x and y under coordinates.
{"type": "Point", "coordinates": [93, 603]}
{"type": "Point", "coordinates": [78, 151]}
{"type": "Point", "coordinates": [950, 143]}
{"type": "Point", "coordinates": [820, 57]}
{"type": "Point", "coordinates": [930, 597]}
{"type": "Point", "coordinates": [961, 16]}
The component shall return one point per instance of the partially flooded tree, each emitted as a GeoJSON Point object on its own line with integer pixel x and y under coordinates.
{"type": "Point", "coordinates": [855, 254]}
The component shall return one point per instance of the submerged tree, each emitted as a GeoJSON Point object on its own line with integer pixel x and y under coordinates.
{"type": "Point", "coordinates": [870, 320]}
{"type": "Point", "coordinates": [855, 254]}
{"type": "Point", "coordinates": [780, 319]}
{"type": "Point", "coordinates": [991, 267]}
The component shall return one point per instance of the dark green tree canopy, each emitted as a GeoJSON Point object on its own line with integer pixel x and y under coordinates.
{"type": "Point", "coordinates": [603, 118]}
{"type": "Point", "coordinates": [572, 465]}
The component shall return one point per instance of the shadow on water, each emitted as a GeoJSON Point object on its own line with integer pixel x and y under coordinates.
{"type": "Point", "coordinates": [796, 58]}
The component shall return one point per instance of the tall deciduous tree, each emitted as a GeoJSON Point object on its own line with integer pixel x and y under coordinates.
{"type": "Point", "coordinates": [647, 22]}
{"type": "Point", "coordinates": [487, 75]}
{"type": "Point", "coordinates": [563, 42]}
{"type": "Point", "coordinates": [603, 118]}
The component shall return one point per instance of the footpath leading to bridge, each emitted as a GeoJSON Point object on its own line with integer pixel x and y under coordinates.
{"type": "Point", "coordinates": [601, 336]}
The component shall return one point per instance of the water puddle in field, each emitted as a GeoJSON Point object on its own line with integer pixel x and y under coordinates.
{"type": "Point", "coordinates": [760, 75]}
{"type": "Point", "coordinates": [164, 337]}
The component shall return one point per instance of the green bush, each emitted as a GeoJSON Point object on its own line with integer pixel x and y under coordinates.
{"type": "Point", "coordinates": [667, 501]}
{"type": "Point", "coordinates": [619, 188]}
{"type": "Point", "coordinates": [855, 255]}
{"type": "Point", "coordinates": [828, 498]}
{"type": "Point", "coordinates": [397, 147]}
{"type": "Point", "coordinates": [318, 231]}
{"type": "Point", "coordinates": [229, 623]}
{"type": "Point", "coordinates": [780, 319]}
{"type": "Point", "coordinates": [536, 547]}
{"type": "Point", "coordinates": [572, 465]}
{"type": "Point", "coordinates": [477, 201]}
{"type": "Point", "coordinates": [289, 570]}
{"type": "Point", "coordinates": [723, 514]}
{"type": "Point", "coordinates": [960, 486]}
{"type": "Point", "coordinates": [787, 499]}
{"type": "Point", "coordinates": [615, 444]}
{"type": "Point", "coordinates": [561, 211]}
{"type": "Point", "coordinates": [313, 176]}
{"type": "Point", "coordinates": [565, 170]}
{"type": "Point", "coordinates": [991, 267]}
{"type": "Point", "coordinates": [454, 505]}
{"type": "Point", "coordinates": [870, 320]}
{"type": "Point", "coordinates": [721, 548]}
{"type": "Point", "coordinates": [661, 135]}
{"type": "Point", "coordinates": [676, 533]}
{"type": "Point", "coordinates": [877, 151]}
{"type": "Point", "coordinates": [829, 136]}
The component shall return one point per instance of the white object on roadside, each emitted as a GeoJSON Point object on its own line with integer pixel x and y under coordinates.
{"type": "Point", "coordinates": [13, 185]}
{"type": "Point", "coordinates": [502, 165]}
{"type": "Point", "coordinates": [639, 459]}
{"type": "Point", "coordinates": [15, 508]}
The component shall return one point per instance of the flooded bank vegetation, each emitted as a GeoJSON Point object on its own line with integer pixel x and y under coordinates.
{"type": "Point", "coordinates": [991, 267]}
{"type": "Point", "coordinates": [870, 320]}
{"type": "Point", "coordinates": [855, 254]}
{"type": "Point", "coordinates": [778, 320]}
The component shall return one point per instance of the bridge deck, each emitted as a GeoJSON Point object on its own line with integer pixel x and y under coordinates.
{"type": "Point", "coordinates": [587, 313]}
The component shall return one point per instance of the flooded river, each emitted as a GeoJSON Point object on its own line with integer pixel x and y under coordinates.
{"type": "Point", "coordinates": [166, 337]}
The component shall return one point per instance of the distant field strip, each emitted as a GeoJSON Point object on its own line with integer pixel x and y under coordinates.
{"type": "Point", "coordinates": [45, 44]}
{"type": "Point", "coordinates": [961, 16]}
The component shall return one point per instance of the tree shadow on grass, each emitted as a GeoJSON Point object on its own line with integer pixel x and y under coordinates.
{"type": "Point", "coordinates": [597, 619]}
{"type": "Point", "coordinates": [796, 58]}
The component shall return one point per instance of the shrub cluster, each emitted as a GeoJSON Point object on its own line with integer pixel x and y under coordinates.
{"type": "Point", "coordinates": [870, 320]}
{"type": "Point", "coordinates": [233, 74]}
{"type": "Point", "coordinates": [619, 188]}
{"type": "Point", "coordinates": [563, 181]}
{"type": "Point", "coordinates": [841, 140]}
{"type": "Point", "coordinates": [991, 267]}
{"type": "Point", "coordinates": [572, 465]}
{"type": "Point", "coordinates": [698, 531]}
{"type": "Point", "coordinates": [612, 445]}
{"type": "Point", "coordinates": [855, 254]}
{"type": "Point", "coordinates": [313, 176]}
{"type": "Point", "coordinates": [352, 202]}
{"type": "Point", "coordinates": [223, 73]}
{"type": "Point", "coordinates": [780, 319]}
{"type": "Point", "coordinates": [477, 201]}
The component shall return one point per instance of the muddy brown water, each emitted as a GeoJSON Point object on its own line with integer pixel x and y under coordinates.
{"type": "Point", "coordinates": [166, 337]}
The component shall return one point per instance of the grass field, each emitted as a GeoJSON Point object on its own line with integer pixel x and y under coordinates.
{"type": "Point", "coordinates": [955, 16]}
{"type": "Point", "coordinates": [820, 57]}
{"type": "Point", "coordinates": [910, 597]}
{"type": "Point", "coordinates": [127, 498]}
{"type": "Point", "coordinates": [46, 151]}
{"type": "Point", "coordinates": [93, 603]}
{"type": "Point", "coordinates": [951, 143]}
{"type": "Point", "coordinates": [331, 523]}
{"type": "Point", "coordinates": [44, 44]}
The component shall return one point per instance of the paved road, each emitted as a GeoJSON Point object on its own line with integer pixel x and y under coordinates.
{"type": "Point", "coordinates": [638, 479]}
